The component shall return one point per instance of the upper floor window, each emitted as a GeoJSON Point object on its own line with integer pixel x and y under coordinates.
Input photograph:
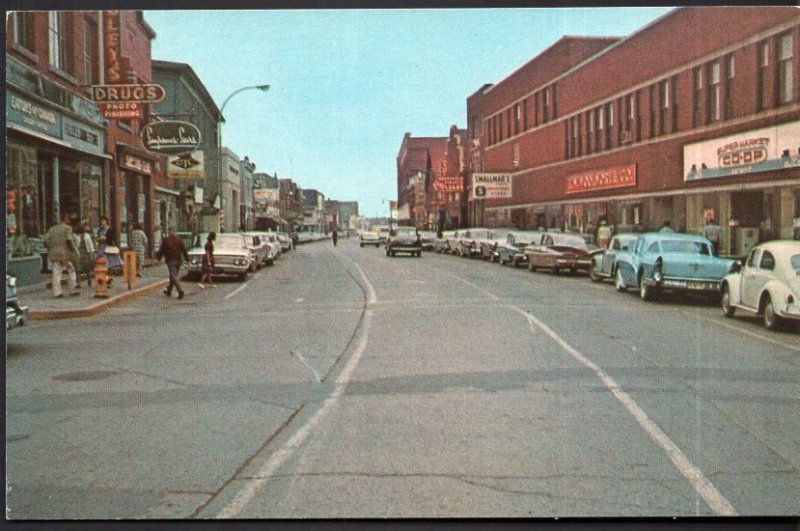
{"type": "Point", "coordinates": [57, 40]}
{"type": "Point", "coordinates": [90, 63]}
{"type": "Point", "coordinates": [476, 126]}
{"type": "Point", "coordinates": [517, 118]}
{"type": "Point", "coordinates": [525, 115]}
{"type": "Point", "coordinates": [22, 23]}
{"type": "Point", "coordinates": [665, 104]}
{"type": "Point", "coordinates": [610, 112]}
{"type": "Point", "coordinates": [785, 69]}
{"type": "Point", "coordinates": [714, 100]}
{"type": "Point", "coordinates": [546, 106]}
{"type": "Point", "coordinates": [731, 71]}
{"type": "Point", "coordinates": [698, 96]}
{"type": "Point", "coordinates": [763, 78]}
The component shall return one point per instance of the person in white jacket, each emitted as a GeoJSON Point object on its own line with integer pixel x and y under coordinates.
{"type": "Point", "coordinates": [85, 246]}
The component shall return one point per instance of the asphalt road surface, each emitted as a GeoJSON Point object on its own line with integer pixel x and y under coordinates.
{"type": "Point", "coordinates": [341, 383]}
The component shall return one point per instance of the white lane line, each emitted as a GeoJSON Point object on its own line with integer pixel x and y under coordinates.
{"type": "Point", "coordinates": [276, 460]}
{"type": "Point", "coordinates": [304, 362]}
{"type": "Point", "coordinates": [371, 297]}
{"type": "Point", "coordinates": [718, 503]}
{"type": "Point", "coordinates": [749, 333]}
{"type": "Point", "coordinates": [240, 288]}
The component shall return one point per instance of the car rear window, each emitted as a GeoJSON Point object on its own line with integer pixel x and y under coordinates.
{"type": "Point", "coordinates": [684, 247]}
{"type": "Point", "coordinates": [795, 261]}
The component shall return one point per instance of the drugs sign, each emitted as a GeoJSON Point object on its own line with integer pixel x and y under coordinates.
{"type": "Point", "coordinates": [491, 185]}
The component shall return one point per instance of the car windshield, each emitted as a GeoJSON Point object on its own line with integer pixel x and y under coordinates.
{"type": "Point", "coordinates": [795, 261]}
{"type": "Point", "coordinates": [404, 232]}
{"type": "Point", "coordinates": [684, 247]}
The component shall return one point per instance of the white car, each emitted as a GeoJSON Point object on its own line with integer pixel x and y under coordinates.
{"type": "Point", "coordinates": [369, 237]}
{"type": "Point", "coordinates": [767, 284]}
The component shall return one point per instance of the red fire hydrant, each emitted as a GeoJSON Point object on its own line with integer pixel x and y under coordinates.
{"type": "Point", "coordinates": [102, 280]}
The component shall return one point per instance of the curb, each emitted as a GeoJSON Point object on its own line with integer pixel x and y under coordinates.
{"type": "Point", "coordinates": [41, 315]}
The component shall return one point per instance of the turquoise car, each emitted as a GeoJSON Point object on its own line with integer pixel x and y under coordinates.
{"type": "Point", "coordinates": [668, 261]}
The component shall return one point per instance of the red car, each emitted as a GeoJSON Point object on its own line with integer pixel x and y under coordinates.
{"type": "Point", "coordinates": [557, 251]}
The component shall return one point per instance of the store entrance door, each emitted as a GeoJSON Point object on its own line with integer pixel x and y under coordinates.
{"type": "Point", "coordinates": [747, 208]}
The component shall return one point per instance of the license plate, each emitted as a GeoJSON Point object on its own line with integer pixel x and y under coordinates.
{"type": "Point", "coordinates": [696, 285]}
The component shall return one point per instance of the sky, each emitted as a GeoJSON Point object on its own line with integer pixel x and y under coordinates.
{"type": "Point", "coordinates": [346, 85]}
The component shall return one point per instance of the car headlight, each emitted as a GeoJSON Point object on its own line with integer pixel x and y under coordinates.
{"type": "Point", "coordinates": [658, 273]}
{"type": "Point", "coordinates": [195, 260]}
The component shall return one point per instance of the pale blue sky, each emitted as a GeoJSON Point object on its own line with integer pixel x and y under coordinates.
{"type": "Point", "coordinates": [348, 84]}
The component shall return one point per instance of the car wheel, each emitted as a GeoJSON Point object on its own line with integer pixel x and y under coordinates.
{"type": "Point", "coordinates": [619, 281]}
{"type": "Point", "coordinates": [362, 245]}
{"type": "Point", "coordinates": [647, 293]}
{"type": "Point", "coordinates": [725, 302]}
{"type": "Point", "coordinates": [593, 274]}
{"type": "Point", "coordinates": [771, 320]}
{"type": "Point", "coordinates": [388, 253]}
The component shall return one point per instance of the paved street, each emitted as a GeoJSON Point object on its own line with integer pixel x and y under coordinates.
{"type": "Point", "coordinates": [342, 383]}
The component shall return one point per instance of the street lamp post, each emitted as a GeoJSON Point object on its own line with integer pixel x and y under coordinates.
{"type": "Point", "coordinates": [262, 88]}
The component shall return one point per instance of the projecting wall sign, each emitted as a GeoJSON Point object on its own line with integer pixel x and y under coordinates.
{"type": "Point", "coordinates": [171, 137]}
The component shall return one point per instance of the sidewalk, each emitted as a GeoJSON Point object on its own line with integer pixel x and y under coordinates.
{"type": "Point", "coordinates": [43, 306]}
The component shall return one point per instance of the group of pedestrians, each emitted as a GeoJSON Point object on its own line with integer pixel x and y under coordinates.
{"type": "Point", "coordinates": [74, 249]}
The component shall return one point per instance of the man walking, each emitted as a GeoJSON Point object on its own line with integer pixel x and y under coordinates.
{"type": "Point", "coordinates": [139, 245]}
{"type": "Point", "coordinates": [712, 232]}
{"type": "Point", "coordinates": [62, 253]}
{"type": "Point", "coordinates": [173, 251]}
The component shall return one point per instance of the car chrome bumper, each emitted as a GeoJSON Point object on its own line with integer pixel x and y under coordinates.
{"type": "Point", "coordinates": [685, 285]}
{"type": "Point", "coordinates": [16, 316]}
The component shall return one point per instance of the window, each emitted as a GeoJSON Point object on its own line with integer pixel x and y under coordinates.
{"type": "Point", "coordinates": [525, 114]}
{"type": "Point", "coordinates": [23, 29]}
{"type": "Point", "coordinates": [598, 138]}
{"type": "Point", "coordinates": [731, 70]}
{"type": "Point", "coordinates": [785, 70]}
{"type": "Point", "coordinates": [610, 111]}
{"type": "Point", "coordinates": [476, 126]}
{"type": "Point", "coordinates": [517, 118]}
{"type": "Point", "coordinates": [763, 78]}
{"type": "Point", "coordinates": [57, 41]}
{"type": "Point", "coordinates": [714, 103]}
{"type": "Point", "coordinates": [754, 255]}
{"type": "Point", "coordinates": [516, 160]}
{"type": "Point", "coordinates": [589, 130]}
{"type": "Point", "coordinates": [90, 62]}
{"type": "Point", "coordinates": [662, 123]}
{"type": "Point", "coordinates": [674, 90]}
{"type": "Point", "coordinates": [767, 261]}
{"type": "Point", "coordinates": [698, 97]}
{"type": "Point", "coordinates": [547, 101]}
{"type": "Point", "coordinates": [653, 106]}
{"type": "Point", "coordinates": [509, 122]}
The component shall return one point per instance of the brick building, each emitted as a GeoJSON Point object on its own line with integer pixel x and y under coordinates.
{"type": "Point", "coordinates": [604, 128]}
{"type": "Point", "coordinates": [418, 163]}
{"type": "Point", "coordinates": [63, 155]}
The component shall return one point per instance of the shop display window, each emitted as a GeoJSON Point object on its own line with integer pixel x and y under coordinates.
{"type": "Point", "coordinates": [22, 202]}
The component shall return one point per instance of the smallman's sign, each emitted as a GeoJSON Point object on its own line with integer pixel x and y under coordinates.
{"type": "Point", "coordinates": [491, 185]}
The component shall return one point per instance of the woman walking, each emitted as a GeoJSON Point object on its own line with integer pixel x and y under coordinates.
{"type": "Point", "coordinates": [85, 246]}
{"type": "Point", "coordinates": [139, 245]}
{"type": "Point", "coordinates": [208, 261]}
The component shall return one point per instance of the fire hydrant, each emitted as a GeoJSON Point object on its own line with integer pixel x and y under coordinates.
{"type": "Point", "coordinates": [102, 280]}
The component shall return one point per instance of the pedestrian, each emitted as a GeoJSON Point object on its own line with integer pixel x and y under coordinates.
{"type": "Point", "coordinates": [208, 261]}
{"type": "Point", "coordinates": [295, 238]}
{"type": "Point", "coordinates": [335, 237]}
{"type": "Point", "coordinates": [603, 234]}
{"type": "Point", "coordinates": [62, 253]}
{"type": "Point", "coordinates": [139, 245]}
{"type": "Point", "coordinates": [105, 234]}
{"type": "Point", "coordinates": [173, 251]}
{"type": "Point", "coordinates": [712, 233]}
{"type": "Point", "coordinates": [85, 246]}
{"type": "Point", "coordinates": [667, 227]}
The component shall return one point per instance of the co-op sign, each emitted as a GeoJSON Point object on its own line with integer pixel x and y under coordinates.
{"type": "Point", "coordinates": [491, 185]}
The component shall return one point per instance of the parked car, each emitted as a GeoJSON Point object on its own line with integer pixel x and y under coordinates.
{"type": "Point", "coordinates": [453, 241]}
{"type": "Point", "coordinates": [489, 244]}
{"type": "Point", "coordinates": [274, 251]}
{"type": "Point", "coordinates": [767, 284]}
{"type": "Point", "coordinates": [231, 256]}
{"type": "Point", "coordinates": [369, 237]}
{"type": "Point", "coordinates": [428, 239]}
{"type": "Point", "coordinates": [469, 243]}
{"type": "Point", "coordinates": [669, 261]}
{"type": "Point", "coordinates": [285, 241]}
{"type": "Point", "coordinates": [383, 234]}
{"type": "Point", "coordinates": [557, 251]}
{"type": "Point", "coordinates": [511, 252]}
{"type": "Point", "coordinates": [441, 245]}
{"type": "Point", "coordinates": [259, 249]}
{"type": "Point", "coordinates": [403, 240]}
{"type": "Point", "coordinates": [604, 261]}
{"type": "Point", "coordinates": [16, 314]}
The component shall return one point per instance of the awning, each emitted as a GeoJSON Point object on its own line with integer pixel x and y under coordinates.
{"type": "Point", "coordinates": [40, 136]}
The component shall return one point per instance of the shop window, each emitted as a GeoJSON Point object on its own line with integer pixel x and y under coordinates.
{"type": "Point", "coordinates": [23, 207]}
{"type": "Point", "coordinates": [58, 51]}
{"type": "Point", "coordinates": [714, 112]}
{"type": "Point", "coordinates": [22, 22]}
{"type": "Point", "coordinates": [785, 69]}
{"type": "Point", "coordinates": [91, 196]}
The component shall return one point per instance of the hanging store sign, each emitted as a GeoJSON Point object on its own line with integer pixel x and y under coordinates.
{"type": "Point", "coordinates": [491, 185]}
{"type": "Point", "coordinates": [133, 93]}
{"type": "Point", "coordinates": [186, 166]}
{"type": "Point", "coordinates": [130, 162]}
{"type": "Point", "coordinates": [171, 137]}
{"type": "Point", "coordinates": [768, 149]}
{"type": "Point", "coordinates": [113, 69]}
{"type": "Point", "coordinates": [604, 179]}
{"type": "Point", "coordinates": [121, 111]}
{"type": "Point", "coordinates": [449, 184]}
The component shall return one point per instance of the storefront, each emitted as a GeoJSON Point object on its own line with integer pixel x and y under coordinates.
{"type": "Point", "coordinates": [56, 164]}
{"type": "Point", "coordinates": [133, 194]}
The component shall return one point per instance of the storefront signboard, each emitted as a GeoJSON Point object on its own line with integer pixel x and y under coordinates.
{"type": "Point", "coordinates": [186, 166]}
{"type": "Point", "coordinates": [603, 179]}
{"type": "Point", "coordinates": [33, 116]}
{"type": "Point", "coordinates": [267, 201]}
{"type": "Point", "coordinates": [760, 150]}
{"type": "Point", "coordinates": [491, 185]}
{"type": "Point", "coordinates": [83, 137]}
{"type": "Point", "coordinates": [171, 137]}
{"type": "Point", "coordinates": [136, 164]}
{"type": "Point", "coordinates": [131, 93]}
{"type": "Point", "coordinates": [121, 111]}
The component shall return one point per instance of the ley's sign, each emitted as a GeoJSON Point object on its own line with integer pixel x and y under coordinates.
{"type": "Point", "coordinates": [171, 137]}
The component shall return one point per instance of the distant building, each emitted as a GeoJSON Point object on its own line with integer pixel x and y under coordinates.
{"type": "Point", "coordinates": [231, 191]}
{"type": "Point", "coordinates": [266, 198]}
{"type": "Point", "coordinates": [246, 206]}
{"type": "Point", "coordinates": [313, 211]}
{"type": "Point", "coordinates": [418, 163]}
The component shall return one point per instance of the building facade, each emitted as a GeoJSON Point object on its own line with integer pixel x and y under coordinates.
{"type": "Point", "coordinates": [706, 131]}
{"type": "Point", "coordinates": [418, 164]}
{"type": "Point", "coordinates": [231, 191]}
{"type": "Point", "coordinates": [187, 100]}
{"type": "Point", "coordinates": [291, 200]}
{"type": "Point", "coordinates": [313, 211]}
{"type": "Point", "coordinates": [246, 205]}
{"type": "Point", "coordinates": [266, 195]}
